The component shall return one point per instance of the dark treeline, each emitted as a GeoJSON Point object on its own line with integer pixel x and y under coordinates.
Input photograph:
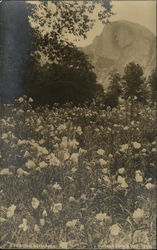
{"type": "Point", "coordinates": [70, 79]}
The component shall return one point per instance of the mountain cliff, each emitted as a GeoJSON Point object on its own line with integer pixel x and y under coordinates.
{"type": "Point", "coordinates": [120, 43]}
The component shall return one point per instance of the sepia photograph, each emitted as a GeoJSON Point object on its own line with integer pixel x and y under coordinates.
{"type": "Point", "coordinates": [78, 127]}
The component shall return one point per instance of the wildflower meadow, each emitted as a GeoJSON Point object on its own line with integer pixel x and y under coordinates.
{"type": "Point", "coordinates": [78, 177]}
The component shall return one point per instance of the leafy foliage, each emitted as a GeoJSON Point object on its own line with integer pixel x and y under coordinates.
{"type": "Point", "coordinates": [73, 80]}
{"type": "Point", "coordinates": [153, 84]}
{"type": "Point", "coordinates": [114, 90]}
{"type": "Point", "coordinates": [54, 21]}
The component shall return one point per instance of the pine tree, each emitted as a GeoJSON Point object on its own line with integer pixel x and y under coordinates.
{"type": "Point", "coordinates": [134, 82]}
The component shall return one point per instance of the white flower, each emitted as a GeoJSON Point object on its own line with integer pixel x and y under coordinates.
{"type": "Point", "coordinates": [30, 164]}
{"type": "Point", "coordinates": [21, 172]}
{"type": "Point", "coordinates": [153, 150]}
{"type": "Point", "coordinates": [71, 199]}
{"type": "Point", "coordinates": [107, 180]}
{"type": "Point", "coordinates": [62, 127]}
{"type": "Point", "coordinates": [124, 185]}
{"type": "Point", "coordinates": [44, 213]}
{"type": "Point", "coordinates": [26, 154]}
{"type": "Point", "coordinates": [38, 121]}
{"type": "Point", "coordinates": [82, 151]}
{"type": "Point", "coordinates": [74, 157]}
{"type": "Point", "coordinates": [138, 214]}
{"type": "Point", "coordinates": [56, 186]}
{"type": "Point", "coordinates": [21, 99]}
{"type": "Point", "coordinates": [79, 130]}
{"type": "Point", "coordinates": [35, 203]}
{"type": "Point", "coordinates": [100, 152]}
{"type": "Point", "coordinates": [43, 164]}
{"type": "Point", "coordinates": [97, 130]}
{"type": "Point", "coordinates": [4, 136]}
{"type": "Point", "coordinates": [138, 176]}
{"type": "Point", "coordinates": [73, 143]}
{"type": "Point", "coordinates": [124, 147]}
{"type": "Point", "coordinates": [10, 211]}
{"type": "Point", "coordinates": [66, 155]}
{"type": "Point", "coordinates": [53, 160]}
{"type": "Point", "coordinates": [136, 145]}
{"type": "Point", "coordinates": [36, 228]}
{"type": "Point", "coordinates": [102, 162]}
{"type": "Point", "coordinates": [24, 225]}
{"type": "Point", "coordinates": [74, 170]}
{"type": "Point", "coordinates": [125, 128]}
{"type": "Point", "coordinates": [42, 141]}
{"type": "Point", "coordinates": [5, 171]}
{"type": "Point", "coordinates": [63, 245]}
{"type": "Point", "coordinates": [122, 182]}
{"type": "Point", "coordinates": [114, 230]}
{"type": "Point", "coordinates": [101, 216]}
{"type": "Point", "coordinates": [30, 100]}
{"type": "Point", "coordinates": [121, 170]}
{"type": "Point", "coordinates": [120, 179]}
{"type": "Point", "coordinates": [2, 220]}
{"type": "Point", "coordinates": [42, 222]}
{"type": "Point", "coordinates": [144, 150]}
{"type": "Point", "coordinates": [71, 223]}
{"type": "Point", "coordinates": [149, 186]}
{"type": "Point", "coordinates": [82, 227]}
{"type": "Point", "coordinates": [21, 142]}
{"type": "Point", "coordinates": [57, 208]}
{"type": "Point", "coordinates": [105, 171]}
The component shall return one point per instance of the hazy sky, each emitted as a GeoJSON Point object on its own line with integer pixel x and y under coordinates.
{"type": "Point", "coordinates": [142, 12]}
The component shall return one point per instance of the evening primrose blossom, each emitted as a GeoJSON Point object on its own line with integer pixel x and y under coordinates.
{"type": "Point", "coordinates": [149, 186]}
{"type": "Point", "coordinates": [114, 230]}
{"type": "Point", "coordinates": [44, 213]}
{"type": "Point", "coordinates": [21, 172]}
{"type": "Point", "coordinates": [5, 171]}
{"type": "Point", "coordinates": [136, 145]}
{"type": "Point", "coordinates": [4, 136]}
{"type": "Point", "coordinates": [72, 223]}
{"type": "Point", "coordinates": [56, 186]}
{"type": "Point", "coordinates": [73, 143]}
{"type": "Point", "coordinates": [26, 154]}
{"type": "Point", "coordinates": [36, 228]}
{"type": "Point", "coordinates": [124, 147]}
{"type": "Point", "coordinates": [121, 170]}
{"type": "Point", "coordinates": [100, 152]}
{"type": "Point", "coordinates": [20, 100]}
{"type": "Point", "coordinates": [35, 203]}
{"type": "Point", "coordinates": [138, 214]}
{"type": "Point", "coordinates": [43, 164]}
{"type": "Point", "coordinates": [24, 225]}
{"type": "Point", "coordinates": [122, 182]}
{"type": "Point", "coordinates": [102, 162]}
{"type": "Point", "coordinates": [30, 164]}
{"type": "Point", "coordinates": [101, 216]}
{"type": "Point", "coordinates": [10, 211]}
{"type": "Point", "coordinates": [74, 157]}
{"type": "Point", "coordinates": [79, 130]}
{"type": "Point", "coordinates": [138, 176]}
{"type": "Point", "coordinates": [57, 207]}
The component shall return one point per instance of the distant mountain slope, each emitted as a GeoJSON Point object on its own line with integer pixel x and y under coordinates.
{"type": "Point", "coordinates": [119, 43]}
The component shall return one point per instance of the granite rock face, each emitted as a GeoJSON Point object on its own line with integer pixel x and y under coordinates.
{"type": "Point", "coordinates": [120, 43]}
